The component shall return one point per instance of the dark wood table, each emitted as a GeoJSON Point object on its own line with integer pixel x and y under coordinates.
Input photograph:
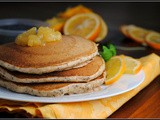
{"type": "Point", "coordinates": [146, 104]}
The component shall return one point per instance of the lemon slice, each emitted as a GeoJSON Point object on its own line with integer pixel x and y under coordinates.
{"type": "Point", "coordinates": [133, 66]}
{"type": "Point", "coordinates": [153, 40]}
{"type": "Point", "coordinates": [115, 68]}
{"type": "Point", "coordinates": [85, 25]}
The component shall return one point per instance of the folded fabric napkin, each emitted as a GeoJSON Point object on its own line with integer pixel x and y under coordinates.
{"type": "Point", "coordinates": [101, 108]}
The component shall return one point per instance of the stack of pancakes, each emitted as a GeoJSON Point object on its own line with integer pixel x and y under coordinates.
{"type": "Point", "coordinates": [69, 66]}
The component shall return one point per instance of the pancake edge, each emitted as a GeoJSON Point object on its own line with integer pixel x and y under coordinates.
{"type": "Point", "coordinates": [4, 74]}
{"type": "Point", "coordinates": [48, 69]}
{"type": "Point", "coordinates": [75, 88]}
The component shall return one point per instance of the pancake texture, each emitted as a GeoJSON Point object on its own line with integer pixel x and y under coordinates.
{"type": "Point", "coordinates": [82, 74]}
{"type": "Point", "coordinates": [54, 56]}
{"type": "Point", "coordinates": [53, 89]}
{"type": "Point", "coordinates": [69, 66]}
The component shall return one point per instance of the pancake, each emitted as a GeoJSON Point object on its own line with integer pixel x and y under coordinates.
{"type": "Point", "coordinates": [54, 56]}
{"type": "Point", "coordinates": [82, 74]}
{"type": "Point", "coordinates": [53, 89]}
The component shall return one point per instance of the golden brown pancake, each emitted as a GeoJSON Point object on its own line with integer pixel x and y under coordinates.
{"type": "Point", "coordinates": [53, 89]}
{"type": "Point", "coordinates": [54, 56]}
{"type": "Point", "coordinates": [82, 74]}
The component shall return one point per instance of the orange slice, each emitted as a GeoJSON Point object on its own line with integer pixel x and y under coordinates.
{"type": "Point", "coordinates": [103, 31]}
{"type": "Point", "coordinates": [138, 34]}
{"type": "Point", "coordinates": [115, 68]}
{"type": "Point", "coordinates": [74, 10]}
{"type": "Point", "coordinates": [85, 25]}
{"type": "Point", "coordinates": [124, 29]}
{"type": "Point", "coordinates": [56, 23]}
{"type": "Point", "coordinates": [133, 66]}
{"type": "Point", "coordinates": [153, 40]}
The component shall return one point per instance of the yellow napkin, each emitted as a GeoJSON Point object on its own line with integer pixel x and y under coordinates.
{"type": "Point", "coordinates": [92, 109]}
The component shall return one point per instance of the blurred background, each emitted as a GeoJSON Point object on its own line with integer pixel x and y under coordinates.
{"type": "Point", "coordinates": [115, 14]}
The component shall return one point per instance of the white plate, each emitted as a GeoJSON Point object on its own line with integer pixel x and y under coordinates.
{"type": "Point", "coordinates": [124, 84]}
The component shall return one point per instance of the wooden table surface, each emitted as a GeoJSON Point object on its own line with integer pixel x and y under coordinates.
{"type": "Point", "coordinates": [146, 104]}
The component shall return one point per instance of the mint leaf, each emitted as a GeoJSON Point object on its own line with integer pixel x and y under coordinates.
{"type": "Point", "coordinates": [106, 53]}
{"type": "Point", "coordinates": [112, 48]}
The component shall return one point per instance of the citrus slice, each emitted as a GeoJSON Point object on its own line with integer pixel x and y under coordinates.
{"type": "Point", "coordinates": [115, 67]}
{"type": "Point", "coordinates": [103, 31]}
{"type": "Point", "coordinates": [56, 23]}
{"type": "Point", "coordinates": [73, 11]}
{"type": "Point", "coordinates": [125, 28]}
{"type": "Point", "coordinates": [133, 66]}
{"type": "Point", "coordinates": [138, 34]}
{"type": "Point", "coordinates": [153, 40]}
{"type": "Point", "coordinates": [85, 25]}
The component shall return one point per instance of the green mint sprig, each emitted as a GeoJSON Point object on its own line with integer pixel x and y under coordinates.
{"type": "Point", "coordinates": [108, 52]}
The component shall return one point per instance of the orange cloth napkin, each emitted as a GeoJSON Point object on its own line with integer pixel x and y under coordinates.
{"type": "Point", "coordinates": [101, 108]}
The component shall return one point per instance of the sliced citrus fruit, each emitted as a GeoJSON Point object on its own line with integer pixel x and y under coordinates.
{"type": "Point", "coordinates": [103, 30]}
{"type": "Point", "coordinates": [56, 23]}
{"type": "Point", "coordinates": [153, 40]}
{"type": "Point", "coordinates": [124, 29]}
{"type": "Point", "coordinates": [74, 10]}
{"type": "Point", "coordinates": [133, 66]}
{"type": "Point", "coordinates": [85, 25]}
{"type": "Point", "coordinates": [115, 67]}
{"type": "Point", "coordinates": [138, 34]}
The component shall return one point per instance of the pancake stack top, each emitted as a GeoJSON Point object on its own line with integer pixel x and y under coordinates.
{"type": "Point", "coordinates": [69, 66]}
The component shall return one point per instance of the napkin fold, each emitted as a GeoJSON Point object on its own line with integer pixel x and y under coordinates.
{"type": "Point", "coordinates": [101, 108]}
